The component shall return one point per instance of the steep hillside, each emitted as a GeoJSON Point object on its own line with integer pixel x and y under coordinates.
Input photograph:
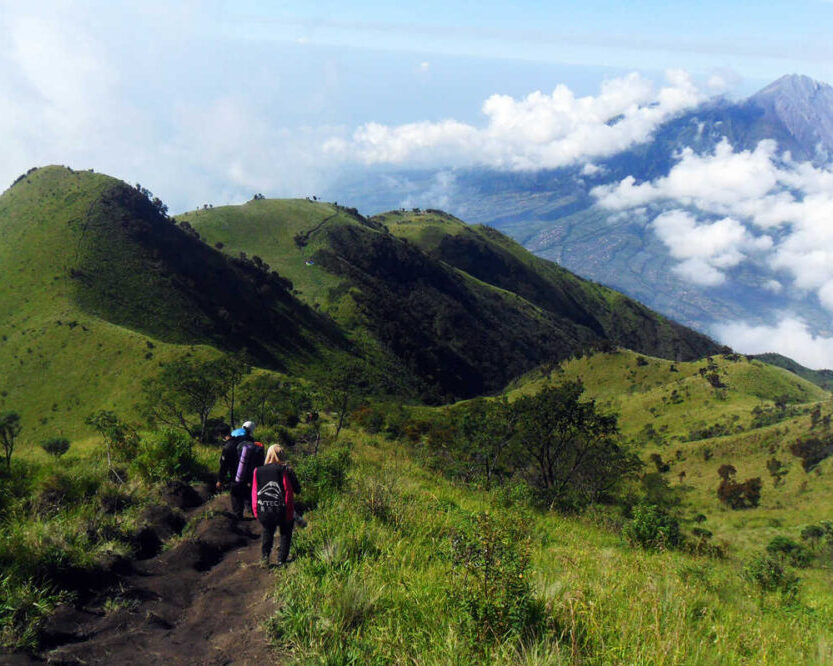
{"type": "Point", "coordinates": [99, 287]}
{"type": "Point", "coordinates": [495, 258]}
{"type": "Point", "coordinates": [465, 310]}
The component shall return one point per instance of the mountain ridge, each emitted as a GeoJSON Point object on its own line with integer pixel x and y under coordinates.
{"type": "Point", "coordinates": [553, 213]}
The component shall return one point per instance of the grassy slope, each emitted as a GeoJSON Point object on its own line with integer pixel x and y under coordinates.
{"type": "Point", "coordinates": [823, 378]}
{"type": "Point", "coordinates": [374, 284]}
{"type": "Point", "coordinates": [493, 256]}
{"type": "Point", "coordinates": [641, 395]}
{"type": "Point", "coordinates": [374, 572]}
{"type": "Point", "coordinates": [473, 324]}
{"type": "Point", "coordinates": [55, 374]}
{"type": "Point", "coordinates": [266, 228]}
{"type": "Point", "coordinates": [70, 346]}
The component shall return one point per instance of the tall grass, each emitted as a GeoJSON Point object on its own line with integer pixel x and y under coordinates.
{"type": "Point", "coordinates": [375, 581]}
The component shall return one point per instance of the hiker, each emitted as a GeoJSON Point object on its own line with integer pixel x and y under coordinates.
{"type": "Point", "coordinates": [241, 455]}
{"type": "Point", "coordinates": [273, 490]}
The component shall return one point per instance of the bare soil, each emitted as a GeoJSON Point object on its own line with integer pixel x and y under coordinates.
{"type": "Point", "coordinates": [202, 600]}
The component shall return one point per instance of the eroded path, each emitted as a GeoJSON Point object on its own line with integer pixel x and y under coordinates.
{"type": "Point", "coordinates": [202, 600]}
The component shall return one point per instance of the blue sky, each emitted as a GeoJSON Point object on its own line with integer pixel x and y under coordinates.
{"type": "Point", "coordinates": [212, 100]}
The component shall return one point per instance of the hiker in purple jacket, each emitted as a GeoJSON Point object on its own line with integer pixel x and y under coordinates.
{"type": "Point", "coordinates": [273, 490]}
{"type": "Point", "coordinates": [241, 454]}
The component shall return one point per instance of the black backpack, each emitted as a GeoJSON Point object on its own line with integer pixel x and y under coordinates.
{"type": "Point", "coordinates": [271, 495]}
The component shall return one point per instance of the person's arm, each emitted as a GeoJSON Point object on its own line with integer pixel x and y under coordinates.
{"type": "Point", "coordinates": [293, 480]}
{"type": "Point", "coordinates": [254, 494]}
{"type": "Point", "coordinates": [224, 465]}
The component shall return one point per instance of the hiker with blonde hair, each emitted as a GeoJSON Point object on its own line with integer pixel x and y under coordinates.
{"type": "Point", "coordinates": [273, 489]}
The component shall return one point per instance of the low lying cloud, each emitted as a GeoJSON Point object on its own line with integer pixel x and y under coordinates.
{"type": "Point", "coordinates": [771, 207]}
{"type": "Point", "coordinates": [538, 131]}
{"type": "Point", "coordinates": [705, 249]}
{"type": "Point", "coordinates": [791, 337]}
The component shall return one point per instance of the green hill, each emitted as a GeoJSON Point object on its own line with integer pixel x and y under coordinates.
{"type": "Point", "coordinates": [822, 378]}
{"type": "Point", "coordinates": [675, 411]}
{"type": "Point", "coordinates": [99, 287]}
{"type": "Point", "coordinates": [464, 308]}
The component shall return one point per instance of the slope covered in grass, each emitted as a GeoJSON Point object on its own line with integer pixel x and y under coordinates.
{"type": "Point", "coordinates": [378, 566]}
{"type": "Point", "coordinates": [465, 321]}
{"type": "Point", "coordinates": [489, 255]}
{"type": "Point", "coordinates": [99, 288]}
{"type": "Point", "coordinates": [823, 378]}
{"type": "Point", "coordinates": [675, 411]}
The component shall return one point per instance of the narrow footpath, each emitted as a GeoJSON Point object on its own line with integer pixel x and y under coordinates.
{"type": "Point", "coordinates": [200, 601]}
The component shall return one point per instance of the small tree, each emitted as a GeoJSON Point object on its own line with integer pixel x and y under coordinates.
{"type": "Point", "coordinates": [121, 440]}
{"type": "Point", "coordinates": [56, 446]}
{"type": "Point", "coordinates": [652, 528]}
{"type": "Point", "coordinates": [232, 370]}
{"type": "Point", "coordinates": [490, 578]}
{"type": "Point", "coordinates": [10, 428]}
{"type": "Point", "coordinates": [184, 395]}
{"type": "Point", "coordinates": [485, 432]}
{"type": "Point", "coordinates": [572, 451]}
{"type": "Point", "coordinates": [777, 470]}
{"type": "Point", "coordinates": [341, 384]}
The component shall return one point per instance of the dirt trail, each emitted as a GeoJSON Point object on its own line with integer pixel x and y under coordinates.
{"type": "Point", "coordinates": [202, 601]}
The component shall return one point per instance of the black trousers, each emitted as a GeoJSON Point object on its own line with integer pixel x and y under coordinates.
{"type": "Point", "coordinates": [241, 495]}
{"type": "Point", "coordinates": [271, 523]}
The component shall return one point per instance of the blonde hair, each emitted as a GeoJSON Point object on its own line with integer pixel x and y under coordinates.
{"type": "Point", "coordinates": [275, 454]}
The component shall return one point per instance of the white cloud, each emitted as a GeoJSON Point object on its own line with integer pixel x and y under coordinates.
{"type": "Point", "coordinates": [783, 208]}
{"type": "Point", "coordinates": [717, 183]}
{"type": "Point", "coordinates": [791, 337]}
{"type": "Point", "coordinates": [538, 131]}
{"type": "Point", "coordinates": [77, 91]}
{"type": "Point", "coordinates": [774, 286]}
{"type": "Point", "coordinates": [705, 250]}
{"type": "Point", "coordinates": [436, 195]}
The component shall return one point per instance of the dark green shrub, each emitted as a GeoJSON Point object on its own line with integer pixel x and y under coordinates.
{"type": "Point", "coordinates": [769, 574]}
{"type": "Point", "coordinates": [812, 450]}
{"type": "Point", "coordinates": [652, 528]}
{"type": "Point", "coordinates": [813, 534]}
{"type": "Point", "coordinates": [164, 455]}
{"type": "Point", "coordinates": [370, 419]}
{"type": "Point", "coordinates": [323, 476]}
{"type": "Point", "coordinates": [56, 446]}
{"type": "Point", "coordinates": [661, 466]}
{"type": "Point", "coordinates": [790, 551]}
{"type": "Point", "coordinates": [63, 489]}
{"type": "Point", "coordinates": [738, 495]}
{"type": "Point", "coordinates": [112, 498]}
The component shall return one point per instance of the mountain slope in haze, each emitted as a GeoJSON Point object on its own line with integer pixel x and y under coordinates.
{"type": "Point", "coordinates": [553, 213]}
{"type": "Point", "coordinates": [804, 107]}
{"type": "Point", "coordinates": [99, 288]}
{"type": "Point", "coordinates": [466, 312]}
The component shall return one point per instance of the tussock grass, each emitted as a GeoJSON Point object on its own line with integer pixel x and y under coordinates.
{"type": "Point", "coordinates": [368, 589]}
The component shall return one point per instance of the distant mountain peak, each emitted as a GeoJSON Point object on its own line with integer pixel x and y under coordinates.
{"type": "Point", "coordinates": [804, 107]}
{"type": "Point", "coordinates": [795, 86]}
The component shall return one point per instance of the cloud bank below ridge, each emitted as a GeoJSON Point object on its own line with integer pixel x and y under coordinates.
{"type": "Point", "coordinates": [535, 132]}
